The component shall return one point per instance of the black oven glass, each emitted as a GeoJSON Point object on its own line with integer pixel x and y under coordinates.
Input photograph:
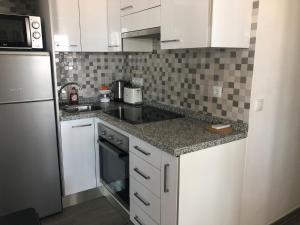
{"type": "Point", "coordinates": [114, 171]}
{"type": "Point", "coordinates": [13, 31]}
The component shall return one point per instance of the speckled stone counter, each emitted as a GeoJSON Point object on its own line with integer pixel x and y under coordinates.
{"type": "Point", "coordinates": [177, 136]}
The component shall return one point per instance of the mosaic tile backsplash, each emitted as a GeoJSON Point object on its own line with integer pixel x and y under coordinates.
{"type": "Point", "coordinates": [18, 7]}
{"type": "Point", "coordinates": [185, 78]}
{"type": "Point", "coordinates": [90, 70]}
{"type": "Point", "coordinates": [181, 78]}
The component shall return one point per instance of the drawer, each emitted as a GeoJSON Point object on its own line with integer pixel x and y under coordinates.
{"type": "Point", "coordinates": [145, 174]}
{"type": "Point", "coordinates": [133, 6]}
{"type": "Point", "coordinates": [145, 200]}
{"type": "Point", "coordinates": [138, 217]}
{"type": "Point", "coordinates": [142, 20]}
{"type": "Point", "coordinates": [146, 151]}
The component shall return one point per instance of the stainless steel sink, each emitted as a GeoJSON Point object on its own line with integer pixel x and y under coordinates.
{"type": "Point", "coordinates": [80, 108]}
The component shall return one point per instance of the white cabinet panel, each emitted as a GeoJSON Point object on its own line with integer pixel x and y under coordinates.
{"type": "Point", "coordinates": [144, 199]}
{"type": "Point", "coordinates": [205, 23]}
{"type": "Point", "coordinates": [138, 217]}
{"type": "Point", "coordinates": [114, 26]}
{"type": "Point", "coordinates": [231, 23]}
{"type": "Point", "coordinates": [133, 6]}
{"type": "Point", "coordinates": [93, 24]}
{"type": "Point", "coordinates": [141, 20]}
{"type": "Point", "coordinates": [78, 155]}
{"type": "Point", "coordinates": [169, 189]}
{"type": "Point", "coordinates": [185, 24]}
{"type": "Point", "coordinates": [145, 174]}
{"type": "Point", "coordinates": [66, 26]}
{"type": "Point", "coordinates": [146, 151]}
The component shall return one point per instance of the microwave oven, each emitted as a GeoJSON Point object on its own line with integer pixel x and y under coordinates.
{"type": "Point", "coordinates": [20, 32]}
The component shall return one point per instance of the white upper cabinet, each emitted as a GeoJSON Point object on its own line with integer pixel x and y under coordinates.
{"type": "Point", "coordinates": [79, 25]}
{"type": "Point", "coordinates": [93, 24]}
{"type": "Point", "coordinates": [205, 23]}
{"type": "Point", "coordinates": [114, 26]}
{"type": "Point", "coordinates": [185, 24]}
{"type": "Point", "coordinates": [231, 23]}
{"type": "Point", "coordinates": [66, 27]}
{"type": "Point", "coordinates": [133, 6]}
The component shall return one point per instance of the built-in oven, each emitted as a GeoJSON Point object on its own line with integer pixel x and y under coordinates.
{"type": "Point", "coordinates": [20, 32]}
{"type": "Point", "coordinates": [114, 163]}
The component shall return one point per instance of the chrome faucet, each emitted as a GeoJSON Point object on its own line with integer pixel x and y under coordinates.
{"type": "Point", "coordinates": [65, 85]}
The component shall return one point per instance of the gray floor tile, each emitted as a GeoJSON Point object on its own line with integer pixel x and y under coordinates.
{"type": "Point", "coordinates": [95, 212]}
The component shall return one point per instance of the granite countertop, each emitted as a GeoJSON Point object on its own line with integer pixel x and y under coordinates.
{"type": "Point", "coordinates": [176, 136]}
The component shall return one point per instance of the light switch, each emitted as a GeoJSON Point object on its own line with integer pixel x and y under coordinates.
{"type": "Point", "coordinates": [259, 105]}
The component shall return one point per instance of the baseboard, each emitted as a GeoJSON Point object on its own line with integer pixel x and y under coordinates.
{"type": "Point", "coordinates": [82, 197]}
{"type": "Point", "coordinates": [288, 217]}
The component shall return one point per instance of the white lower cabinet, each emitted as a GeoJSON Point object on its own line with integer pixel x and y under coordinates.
{"type": "Point", "coordinates": [202, 187]}
{"type": "Point", "coordinates": [78, 155]}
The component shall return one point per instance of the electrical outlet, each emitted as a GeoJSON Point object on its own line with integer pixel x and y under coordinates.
{"type": "Point", "coordinates": [217, 91]}
{"type": "Point", "coordinates": [139, 82]}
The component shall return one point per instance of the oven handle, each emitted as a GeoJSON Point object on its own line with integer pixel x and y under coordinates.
{"type": "Point", "coordinates": [112, 149]}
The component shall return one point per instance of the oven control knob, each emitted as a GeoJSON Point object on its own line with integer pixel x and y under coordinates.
{"type": "Point", "coordinates": [110, 137]}
{"type": "Point", "coordinates": [103, 133]}
{"type": "Point", "coordinates": [36, 35]}
{"type": "Point", "coordinates": [119, 142]}
{"type": "Point", "coordinates": [35, 25]}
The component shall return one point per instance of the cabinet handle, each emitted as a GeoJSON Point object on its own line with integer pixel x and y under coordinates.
{"type": "Point", "coordinates": [127, 7]}
{"type": "Point", "coordinates": [113, 46]}
{"type": "Point", "coordinates": [146, 203]}
{"type": "Point", "coordinates": [142, 151]}
{"type": "Point", "coordinates": [166, 189]}
{"type": "Point", "coordinates": [168, 41]}
{"type": "Point", "coordinates": [80, 126]}
{"type": "Point", "coordinates": [138, 220]}
{"type": "Point", "coordinates": [142, 174]}
{"type": "Point", "coordinates": [59, 45]}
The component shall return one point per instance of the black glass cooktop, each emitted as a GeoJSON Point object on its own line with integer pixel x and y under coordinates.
{"type": "Point", "coordinates": [142, 114]}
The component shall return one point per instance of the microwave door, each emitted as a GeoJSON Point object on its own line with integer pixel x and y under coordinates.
{"type": "Point", "coordinates": [15, 32]}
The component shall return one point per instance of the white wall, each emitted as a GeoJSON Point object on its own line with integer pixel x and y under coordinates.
{"type": "Point", "coordinates": [272, 179]}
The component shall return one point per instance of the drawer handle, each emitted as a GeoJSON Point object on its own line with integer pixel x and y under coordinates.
{"type": "Point", "coordinates": [166, 189]}
{"type": "Point", "coordinates": [80, 126]}
{"type": "Point", "coordinates": [142, 151]}
{"type": "Point", "coordinates": [127, 7]}
{"type": "Point", "coordinates": [113, 46]}
{"type": "Point", "coordinates": [146, 203]}
{"type": "Point", "coordinates": [138, 220]}
{"type": "Point", "coordinates": [142, 174]}
{"type": "Point", "coordinates": [168, 41]}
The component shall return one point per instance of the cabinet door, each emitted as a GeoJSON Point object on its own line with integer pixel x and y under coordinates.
{"type": "Point", "coordinates": [169, 189]}
{"type": "Point", "coordinates": [114, 26]}
{"type": "Point", "coordinates": [93, 24]}
{"type": "Point", "coordinates": [185, 24]}
{"type": "Point", "coordinates": [231, 23]}
{"type": "Point", "coordinates": [78, 155]}
{"type": "Point", "coordinates": [66, 27]}
{"type": "Point", "coordinates": [133, 6]}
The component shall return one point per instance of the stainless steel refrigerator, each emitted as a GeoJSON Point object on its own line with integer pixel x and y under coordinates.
{"type": "Point", "coordinates": [29, 165]}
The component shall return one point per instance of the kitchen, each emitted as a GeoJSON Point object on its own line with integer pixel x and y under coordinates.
{"type": "Point", "coordinates": [148, 112]}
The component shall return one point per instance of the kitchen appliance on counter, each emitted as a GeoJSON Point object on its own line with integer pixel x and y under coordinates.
{"type": "Point", "coordinates": [118, 87]}
{"type": "Point", "coordinates": [114, 163]}
{"type": "Point", "coordinates": [133, 95]}
{"type": "Point", "coordinates": [104, 96]}
{"type": "Point", "coordinates": [142, 114]}
{"type": "Point", "coordinates": [29, 165]}
{"type": "Point", "coordinates": [20, 32]}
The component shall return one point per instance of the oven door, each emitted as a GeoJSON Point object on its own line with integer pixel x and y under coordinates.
{"type": "Point", "coordinates": [114, 171]}
{"type": "Point", "coordinates": [15, 32]}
